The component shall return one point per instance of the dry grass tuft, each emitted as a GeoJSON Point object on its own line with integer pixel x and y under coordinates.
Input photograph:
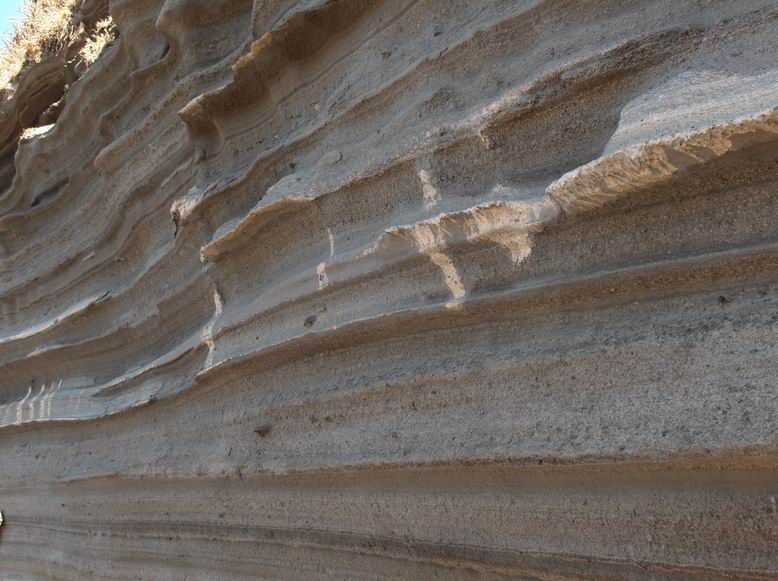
{"type": "Point", "coordinates": [46, 27]}
{"type": "Point", "coordinates": [102, 37]}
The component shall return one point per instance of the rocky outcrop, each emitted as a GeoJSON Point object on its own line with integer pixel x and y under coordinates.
{"type": "Point", "coordinates": [35, 98]}
{"type": "Point", "coordinates": [372, 289]}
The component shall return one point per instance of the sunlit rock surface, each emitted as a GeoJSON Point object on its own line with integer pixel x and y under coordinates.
{"type": "Point", "coordinates": [395, 289]}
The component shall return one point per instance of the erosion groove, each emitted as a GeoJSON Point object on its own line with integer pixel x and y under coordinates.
{"type": "Point", "coordinates": [402, 289]}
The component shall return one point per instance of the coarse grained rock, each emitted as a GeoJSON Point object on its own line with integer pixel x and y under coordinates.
{"type": "Point", "coordinates": [375, 289]}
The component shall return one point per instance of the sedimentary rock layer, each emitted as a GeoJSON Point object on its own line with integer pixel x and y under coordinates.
{"type": "Point", "coordinates": [397, 289]}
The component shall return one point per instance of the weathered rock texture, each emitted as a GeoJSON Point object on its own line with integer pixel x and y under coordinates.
{"type": "Point", "coordinates": [397, 289]}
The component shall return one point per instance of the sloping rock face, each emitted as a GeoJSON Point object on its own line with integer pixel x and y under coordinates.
{"type": "Point", "coordinates": [397, 289]}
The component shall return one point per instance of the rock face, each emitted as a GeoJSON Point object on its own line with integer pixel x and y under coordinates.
{"type": "Point", "coordinates": [396, 289]}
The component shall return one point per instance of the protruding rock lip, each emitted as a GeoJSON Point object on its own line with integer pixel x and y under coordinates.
{"type": "Point", "coordinates": [642, 166]}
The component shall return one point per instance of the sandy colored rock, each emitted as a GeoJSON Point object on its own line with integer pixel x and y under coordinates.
{"type": "Point", "coordinates": [358, 289]}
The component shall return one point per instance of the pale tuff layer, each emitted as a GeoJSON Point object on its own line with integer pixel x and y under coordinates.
{"type": "Point", "coordinates": [397, 289]}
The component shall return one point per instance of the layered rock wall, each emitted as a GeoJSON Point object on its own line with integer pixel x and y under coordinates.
{"type": "Point", "coordinates": [396, 289]}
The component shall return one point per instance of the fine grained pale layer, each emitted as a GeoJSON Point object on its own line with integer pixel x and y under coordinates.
{"type": "Point", "coordinates": [396, 289]}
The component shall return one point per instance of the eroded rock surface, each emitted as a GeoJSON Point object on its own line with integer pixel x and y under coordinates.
{"type": "Point", "coordinates": [397, 289]}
